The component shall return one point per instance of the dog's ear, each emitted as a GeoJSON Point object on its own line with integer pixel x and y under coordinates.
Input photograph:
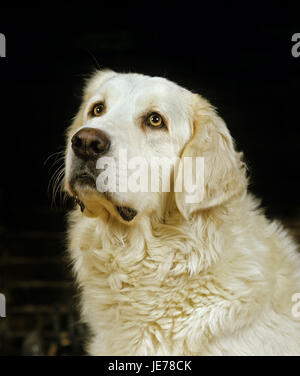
{"type": "Point", "coordinates": [224, 173]}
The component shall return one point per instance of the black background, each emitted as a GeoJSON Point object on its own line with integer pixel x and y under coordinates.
{"type": "Point", "coordinates": [237, 57]}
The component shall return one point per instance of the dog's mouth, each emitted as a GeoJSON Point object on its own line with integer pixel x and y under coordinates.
{"type": "Point", "coordinates": [126, 213]}
{"type": "Point", "coordinates": [83, 188]}
{"type": "Point", "coordinates": [79, 203]}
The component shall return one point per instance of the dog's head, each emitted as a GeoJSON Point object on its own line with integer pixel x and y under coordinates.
{"type": "Point", "coordinates": [126, 147]}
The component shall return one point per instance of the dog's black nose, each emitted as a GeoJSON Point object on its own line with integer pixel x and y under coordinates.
{"type": "Point", "coordinates": [90, 143]}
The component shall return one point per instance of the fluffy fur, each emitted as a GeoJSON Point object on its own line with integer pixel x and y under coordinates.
{"type": "Point", "coordinates": [216, 278]}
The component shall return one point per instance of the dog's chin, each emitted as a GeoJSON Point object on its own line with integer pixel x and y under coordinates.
{"type": "Point", "coordinates": [126, 213]}
{"type": "Point", "coordinates": [95, 204]}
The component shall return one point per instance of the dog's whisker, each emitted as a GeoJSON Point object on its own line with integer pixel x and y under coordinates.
{"type": "Point", "coordinates": [53, 177]}
{"type": "Point", "coordinates": [55, 181]}
{"type": "Point", "coordinates": [59, 160]}
{"type": "Point", "coordinates": [57, 184]}
{"type": "Point", "coordinates": [57, 164]}
{"type": "Point", "coordinates": [62, 152]}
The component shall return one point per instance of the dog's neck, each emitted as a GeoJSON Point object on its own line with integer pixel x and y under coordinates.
{"type": "Point", "coordinates": [200, 238]}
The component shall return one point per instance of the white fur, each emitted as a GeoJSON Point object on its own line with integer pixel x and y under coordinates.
{"type": "Point", "coordinates": [216, 278]}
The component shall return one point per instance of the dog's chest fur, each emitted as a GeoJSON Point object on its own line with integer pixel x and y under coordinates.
{"type": "Point", "coordinates": [153, 292]}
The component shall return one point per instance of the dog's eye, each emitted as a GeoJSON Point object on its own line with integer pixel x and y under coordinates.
{"type": "Point", "coordinates": [97, 109]}
{"type": "Point", "coordinates": [155, 120]}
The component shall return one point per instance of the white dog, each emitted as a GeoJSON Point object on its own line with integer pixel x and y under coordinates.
{"type": "Point", "coordinates": [158, 275]}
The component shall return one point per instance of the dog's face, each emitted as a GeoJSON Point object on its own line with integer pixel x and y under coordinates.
{"type": "Point", "coordinates": [127, 123]}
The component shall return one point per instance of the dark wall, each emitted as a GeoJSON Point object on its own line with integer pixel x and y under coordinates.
{"type": "Point", "coordinates": [240, 60]}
